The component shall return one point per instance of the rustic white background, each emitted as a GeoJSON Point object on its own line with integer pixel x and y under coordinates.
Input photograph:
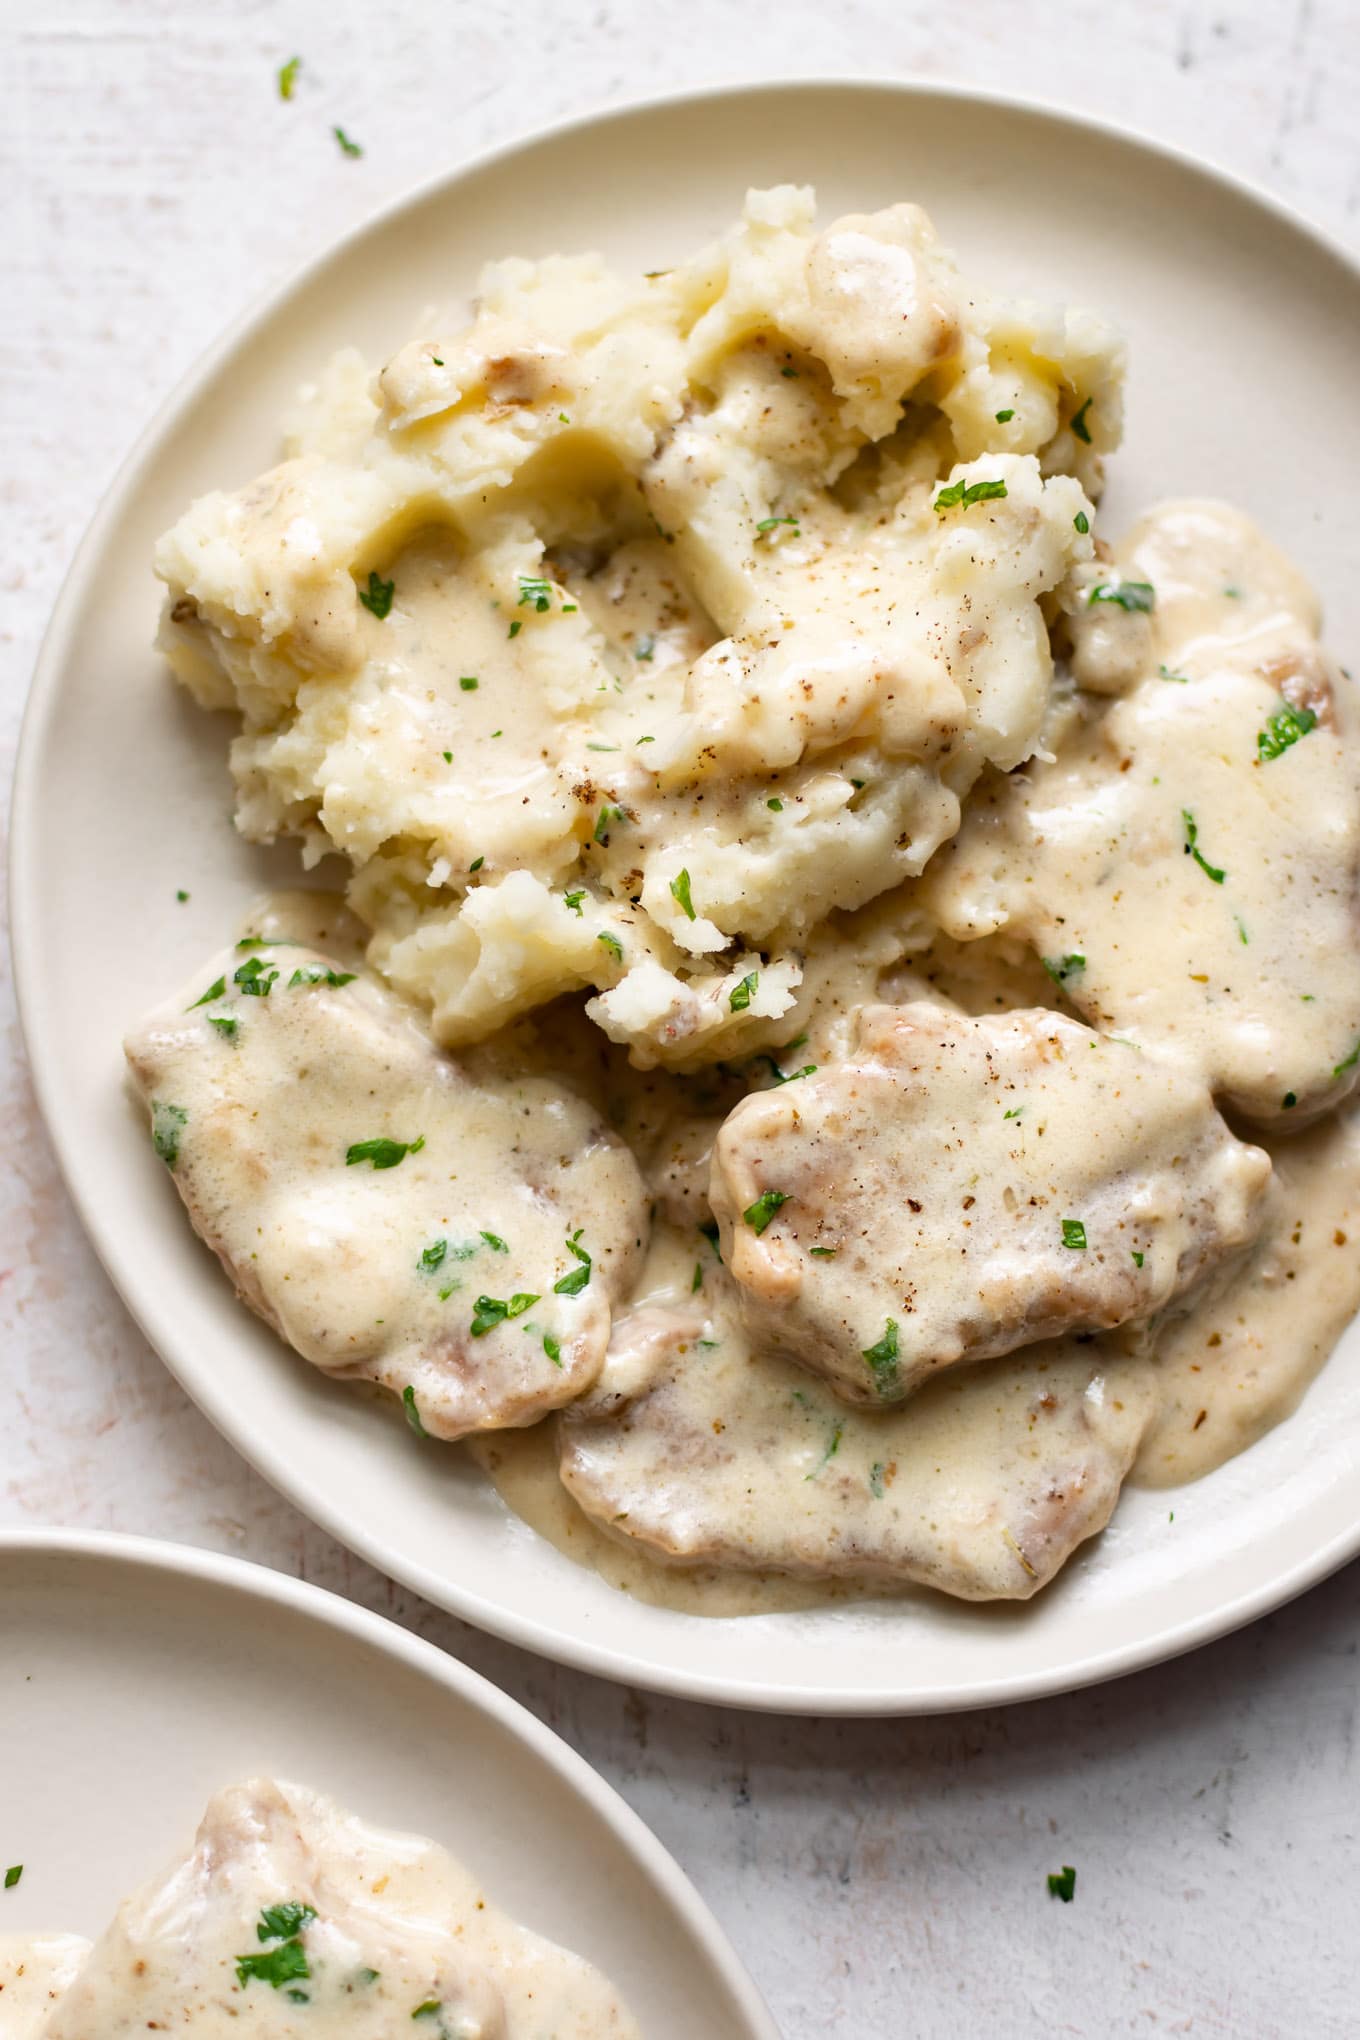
{"type": "Point", "coordinates": [880, 1879]}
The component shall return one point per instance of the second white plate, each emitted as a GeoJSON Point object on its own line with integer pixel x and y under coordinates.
{"type": "Point", "coordinates": [137, 1679]}
{"type": "Point", "coordinates": [1241, 327]}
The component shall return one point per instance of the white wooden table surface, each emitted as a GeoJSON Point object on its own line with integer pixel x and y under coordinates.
{"type": "Point", "coordinates": [881, 1878]}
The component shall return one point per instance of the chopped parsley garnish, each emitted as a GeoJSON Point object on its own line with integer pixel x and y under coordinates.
{"type": "Point", "coordinates": [789, 1076]}
{"type": "Point", "coordinates": [438, 361]}
{"type": "Point", "coordinates": [516, 627]}
{"type": "Point", "coordinates": [1062, 1883]}
{"type": "Point", "coordinates": [320, 974]}
{"type": "Point", "coordinates": [1004, 417]}
{"type": "Point", "coordinates": [680, 894]}
{"type": "Point", "coordinates": [876, 1472]}
{"type": "Point", "coordinates": [468, 683]}
{"type": "Point", "coordinates": [281, 1922]}
{"type": "Point", "coordinates": [1137, 597]}
{"type": "Point", "coordinates": [575, 1279]}
{"type": "Point", "coordinates": [408, 1403]}
{"type": "Point", "coordinates": [775, 806]}
{"type": "Point", "coordinates": [1073, 1233]}
{"type": "Point", "coordinates": [12, 1875]}
{"type": "Point", "coordinates": [214, 991]}
{"type": "Point", "coordinates": [574, 899]}
{"type": "Point", "coordinates": [1349, 1064]}
{"type": "Point", "coordinates": [759, 1214]}
{"type": "Point", "coordinates": [495, 1242]}
{"type": "Point", "coordinates": [608, 817]}
{"type": "Point", "coordinates": [611, 943]}
{"type": "Point", "coordinates": [823, 1253]}
{"type": "Point", "coordinates": [288, 77]}
{"type": "Point", "coordinates": [1137, 1258]}
{"type": "Point", "coordinates": [963, 494]}
{"type": "Point", "coordinates": [285, 1963]}
{"type": "Point", "coordinates": [349, 148]}
{"type": "Point", "coordinates": [882, 1358]}
{"type": "Point", "coordinates": [168, 1123]}
{"type": "Point", "coordinates": [1282, 729]}
{"type": "Point", "coordinates": [377, 597]}
{"type": "Point", "coordinates": [181, 895]}
{"type": "Point", "coordinates": [384, 1154]}
{"type": "Point", "coordinates": [552, 1349]}
{"type": "Point", "coordinates": [697, 1281]}
{"type": "Point", "coordinates": [434, 1256]}
{"type": "Point", "coordinates": [1078, 422]}
{"type": "Point", "coordinates": [710, 1233]}
{"type": "Point", "coordinates": [536, 591]}
{"type": "Point", "coordinates": [1211, 871]}
{"type": "Point", "coordinates": [227, 1026]}
{"type": "Point", "coordinates": [645, 646]}
{"type": "Point", "coordinates": [1082, 522]}
{"type": "Point", "coordinates": [1288, 1102]}
{"type": "Point", "coordinates": [477, 864]}
{"type": "Point", "coordinates": [428, 2009]}
{"type": "Point", "coordinates": [255, 978]}
{"type": "Point", "coordinates": [1181, 679]}
{"type": "Point", "coordinates": [268, 942]}
{"type": "Point", "coordinates": [833, 1447]}
{"type": "Point", "coordinates": [448, 757]}
{"type": "Point", "coordinates": [1061, 968]}
{"type": "Point", "coordinates": [490, 1311]}
{"type": "Point", "coordinates": [1242, 934]}
{"type": "Point", "coordinates": [739, 998]}
{"type": "Point", "coordinates": [769, 524]}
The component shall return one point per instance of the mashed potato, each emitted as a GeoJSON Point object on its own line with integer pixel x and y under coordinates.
{"type": "Point", "coordinates": [622, 636]}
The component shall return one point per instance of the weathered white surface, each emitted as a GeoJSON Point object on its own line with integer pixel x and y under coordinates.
{"type": "Point", "coordinates": [880, 1878]}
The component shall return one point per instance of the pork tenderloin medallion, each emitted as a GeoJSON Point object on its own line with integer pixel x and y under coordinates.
{"type": "Point", "coordinates": [961, 1187]}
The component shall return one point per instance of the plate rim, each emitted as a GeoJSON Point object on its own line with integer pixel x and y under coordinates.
{"type": "Point", "coordinates": [530, 1633]}
{"type": "Point", "coordinates": [252, 1581]}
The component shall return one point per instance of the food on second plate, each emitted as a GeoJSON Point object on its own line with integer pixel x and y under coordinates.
{"type": "Point", "coordinates": [459, 1240]}
{"type": "Point", "coordinates": [740, 737]}
{"type": "Point", "coordinates": [291, 1918]}
{"type": "Point", "coordinates": [34, 1971]}
{"type": "Point", "coordinates": [957, 1188]}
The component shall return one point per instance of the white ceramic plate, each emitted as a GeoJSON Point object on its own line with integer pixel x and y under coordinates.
{"type": "Point", "coordinates": [1242, 326]}
{"type": "Point", "coordinates": [137, 1679]}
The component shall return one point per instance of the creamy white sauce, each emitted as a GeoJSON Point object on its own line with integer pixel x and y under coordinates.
{"type": "Point", "coordinates": [34, 1971]}
{"type": "Point", "coordinates": [291, 1917]}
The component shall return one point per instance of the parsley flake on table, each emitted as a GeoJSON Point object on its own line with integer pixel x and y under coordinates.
{"type": "Point", "coordinates": [1062, 1883]}
{"type": "Point", "coordinates": [348, 147]}
{"type": "Point", "coordinates": [288, 77]}
{"type": "Point", "coordinates": [383, 1153]}
{"type": "Point", "coordinates": [12, 1875]}
{"type": "Point", "coordinates": [882, 1358]}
